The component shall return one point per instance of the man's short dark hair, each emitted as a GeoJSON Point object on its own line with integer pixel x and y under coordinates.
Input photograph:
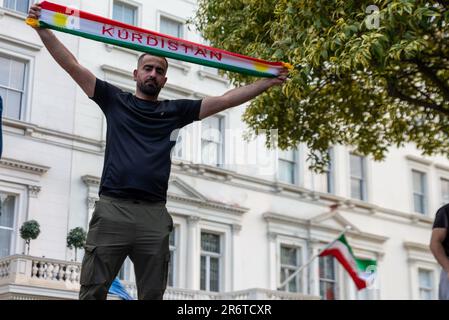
{"type": "Point", "coordinates": [149, 54]}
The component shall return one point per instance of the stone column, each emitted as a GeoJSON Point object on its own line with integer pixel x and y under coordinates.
{"type": "Point", "coordinates": [235, 253]}
{"type": "Point", "coordinates": [193, 253]}
{"type": "Point", "coordinates": [33, 206]}
{"type": "Point", "coordinates": [273, 281]}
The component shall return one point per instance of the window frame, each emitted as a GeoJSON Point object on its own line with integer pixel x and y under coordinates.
{"type": "Point", "coordinates": [25, 109]}
{"type": "Point", "coordinates": [174, 251]}
{"type": "Point", "coordinates": [430, 289]}
{"type": "Point", "coordinates": [221, 144]}
{"type": "Point", "coordinates": [425, 192]}
{"type": "Point", "coordinates": [136, 5]}
{"type": "Point", "coordinates": [294, 162]}
{"type": "Point", "coordinates": [20, 192]}
{"type": "Point", "coordinates": [329, 173]}
{"type": "Point", "coordinates": [14, 228]}
{"type": "Point", "coordinates": [3, 3]}
{"type": "Point", "coordinates": [422, 165]}
{"type": "Point", "coordinates": [208, 255]}
{"type": "Point", "coordinates": [298, 277]}
{"type": "Point", "coordinates": [442, 197]}
{"type": "Point", "coordinates": [363, 180]}
{"type": "Point", "coordinates": [165, 15]}
{"type": "Point", "coordinates": [336, 281]}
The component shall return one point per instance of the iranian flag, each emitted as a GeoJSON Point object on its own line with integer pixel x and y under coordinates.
{"type": "Point", "coordinates": [362, 271]}
{"type": "Point", "coordinates": [94, 27]}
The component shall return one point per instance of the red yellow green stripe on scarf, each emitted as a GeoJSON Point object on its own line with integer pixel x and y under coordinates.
{"type": "Point", "coordinates": [87, 25]}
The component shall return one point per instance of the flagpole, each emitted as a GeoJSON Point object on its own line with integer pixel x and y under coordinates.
{"type": "Point", "coordinates": [347, 228]}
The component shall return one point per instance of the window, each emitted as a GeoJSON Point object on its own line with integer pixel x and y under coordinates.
{"type": "Point", "coordinates": [325, 180]}
{"type": "Point", "coordinates": [358, 179]}
{"type": "Point", "coordinates": [125, 13]}
{"type": "Point", "coordinates": [329, 173]}
{"type": "Point", "coordinates": [7, 216]}
{"type": "Point", "coordinates": [425, 284]}
{"type": "Point", "coordinates": [210, 262]}
{"type": "Point", "coordinates": [171, 27]}
{"type": "Point", "coordinates": [290, 261]}
{"type": "Point", "coordinates": [212, 141]}
{"type": "Point", "coordinates": [17, 5]}
{"type": "Point", "coordinates": [171, 268]}
{"type": "Point", "coordinates": [12, 86]}
{"type": "Point", "coordinates": [328, 279]}
{"type": "Point", "coordinates": [444, 191]}
{"type": "Point", "coordinates": [419, 192]}
{"type": "Point", "coordinates": [287, 166]}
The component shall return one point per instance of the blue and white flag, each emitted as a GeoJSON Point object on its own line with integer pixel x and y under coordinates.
{"type": "Point", "coordinates": [118, 289]}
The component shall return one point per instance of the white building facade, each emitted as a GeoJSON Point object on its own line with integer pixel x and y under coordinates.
{"type": "Point", "coordinates": [245, 217]}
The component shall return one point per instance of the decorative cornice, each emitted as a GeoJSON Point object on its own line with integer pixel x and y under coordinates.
{"type": "Point", "coordinates": [418, 159]}
{"type": "Point", "coordinates": [204, 74]}
{"type": "Point", "coordinates": [179, 65]}
{"type": "Point", "coordinates": [276, 217]}
{"type": "Point", "coordinates": [21, 43]}
{"type": "Point", "coordinates": [195, 198]}
{"type": "Point", "coordinates": [178, 90]}
{"type": "Point", "coordinates": [91, 181]}
{"type": "Point", "coordinates": [191, 192]}
{"type": "Point", "coordinates": [32, 168]}
{"type": "Point", "coordinates": [118, 71]}
{"type": "Point", "coordinates": [442, 167]}
{"type": "Point", "coordinates": [207, 204]}
{"type": "Point", "coordinates": [34, 190]}
{"type": "Point", "coordinates": [236, 228]}
{"type": "Point", "coordinates": [415, 246]}
{"type": "Point", "coordinates": [419, 252]}
{"type": "Point", "coordinates": [335, 215]}
{"type": "Point", "coordinates": [292, 191]}
{"type": "Point", "coordinates": [193, 219]}
{"type": "Point", "coordinates": [50, 136]}
{"type": "Point", "coordinates": [110, 47]}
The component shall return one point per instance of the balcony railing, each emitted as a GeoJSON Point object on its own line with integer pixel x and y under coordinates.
{"type": "Point", "coordinates": [31, 278]}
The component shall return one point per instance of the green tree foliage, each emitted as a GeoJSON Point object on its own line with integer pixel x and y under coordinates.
{"type": "Point", "coordinates": [29, 230]}
{"type": "Point", "coordinates": [76, 238]}
{"type": "Point", "coordinates": [354, 83]}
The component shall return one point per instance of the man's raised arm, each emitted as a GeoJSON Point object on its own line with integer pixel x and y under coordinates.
{"type": "Point", "coordinates": [83, 77]}
{"type": "Point", "coordinates": [237, 96]}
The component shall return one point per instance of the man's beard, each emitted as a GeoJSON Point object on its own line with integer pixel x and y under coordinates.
{"type": "Point", "coordinates": [149, 88]}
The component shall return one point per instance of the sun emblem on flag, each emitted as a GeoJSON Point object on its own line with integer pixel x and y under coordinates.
{"type": "Point", "coordinates": [60, 20]}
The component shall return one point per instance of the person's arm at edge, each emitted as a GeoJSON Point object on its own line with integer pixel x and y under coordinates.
{"type": "Point", "coordinates": [437, 249]}
{"type": "Point", "coordinates": [82, 76]}
{"type": "Point", "coordinates": [237, 96]}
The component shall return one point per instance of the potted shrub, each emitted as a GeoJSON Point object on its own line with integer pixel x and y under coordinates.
{"type": "Point", "coordinates": [76, 238]}
{"type": "Point", "coordinates": [29, 231]}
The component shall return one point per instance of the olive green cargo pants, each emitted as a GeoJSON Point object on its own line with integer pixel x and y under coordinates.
{"type": "Point", "coordinates": [121, 228]}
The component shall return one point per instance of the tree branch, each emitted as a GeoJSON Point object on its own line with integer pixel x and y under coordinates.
{"type": "Point", "coordinates": [444, 3]}
{"type": "Point", "coordinates": [430, 74]}
{"type": "Point", "coordinates": [395, 93]}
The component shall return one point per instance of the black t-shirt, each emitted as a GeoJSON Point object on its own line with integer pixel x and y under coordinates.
{"type": "Point", "coordinates": [140, 136]}
{"type": "Point", "coordinates": [442, 221]}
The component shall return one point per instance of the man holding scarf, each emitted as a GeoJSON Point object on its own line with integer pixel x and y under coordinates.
{"type": "Point", "coordinates": [131, 218]}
